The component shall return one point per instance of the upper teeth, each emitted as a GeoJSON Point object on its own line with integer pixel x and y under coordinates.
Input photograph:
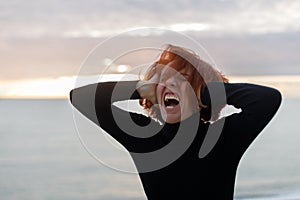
{"type": "Point", "coordinates": [170, 96]}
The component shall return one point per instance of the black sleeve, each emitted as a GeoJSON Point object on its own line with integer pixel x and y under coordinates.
{"type": "Point", "coordinates": [258, 104]}
{"type": "Point", "coordinates": [95, 102]}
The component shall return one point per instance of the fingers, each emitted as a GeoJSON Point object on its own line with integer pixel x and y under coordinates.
{"type": "Point", "coordinates": [153, 80]}
{"type": "Point", "coordinates": [147, 90]}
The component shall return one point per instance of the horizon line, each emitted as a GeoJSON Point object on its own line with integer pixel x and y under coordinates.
{"type": "Point", "coordinates": [59, 88]}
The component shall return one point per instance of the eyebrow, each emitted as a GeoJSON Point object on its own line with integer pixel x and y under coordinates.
{"type": "Point", "coordinates": [186, 74]}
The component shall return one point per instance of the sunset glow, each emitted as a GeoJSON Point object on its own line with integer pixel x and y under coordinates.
{"type": "Point", "coordinates": [60, 87]}
{"type": "Point", "coordinates": [37, 88]}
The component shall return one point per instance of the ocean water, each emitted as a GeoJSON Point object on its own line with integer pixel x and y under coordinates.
{"type": "Point", "coordinates": [42, 157]}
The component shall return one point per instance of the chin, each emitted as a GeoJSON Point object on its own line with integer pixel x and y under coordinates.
{"type": "Point", "coordinates": [172, 119]}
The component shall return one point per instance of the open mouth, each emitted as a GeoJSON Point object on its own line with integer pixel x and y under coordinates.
{"type": "Point", "coordinates": [171, 100]}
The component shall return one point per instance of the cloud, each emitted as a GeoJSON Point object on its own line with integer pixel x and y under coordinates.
{"type": "Point", "coordinates": [32, 19]}
{"type": "Point", "coordinates": [260, 17]}
{"type": "Point", "coordinates": [55, 57]}
{"type": "Point", "coordinates": [42, 39]}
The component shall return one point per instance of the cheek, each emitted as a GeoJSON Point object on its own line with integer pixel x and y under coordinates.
{"type": "Point", "coordinates": [187, 88]}
{"type": "Point", "coordinates": [189, 92]}
{"type": "Point", "coordinates": [159, 92]}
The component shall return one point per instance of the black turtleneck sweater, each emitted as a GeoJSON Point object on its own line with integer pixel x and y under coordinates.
{"type": "Point", "coordinates": [184, 175]}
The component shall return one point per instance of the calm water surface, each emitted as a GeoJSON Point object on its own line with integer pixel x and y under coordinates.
{"type": "Point", "coordinates": [41, 157]}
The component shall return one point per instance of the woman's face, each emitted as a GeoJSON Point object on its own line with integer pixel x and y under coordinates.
{"type": "Point", "coordinates": [175, 95]}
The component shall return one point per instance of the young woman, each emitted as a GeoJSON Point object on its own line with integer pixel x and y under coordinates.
{"type": "Point", "coordinates": [186, 94]}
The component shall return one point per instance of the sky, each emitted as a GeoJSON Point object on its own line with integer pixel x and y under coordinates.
{"type": "Point", "coordinates": [43, 44]}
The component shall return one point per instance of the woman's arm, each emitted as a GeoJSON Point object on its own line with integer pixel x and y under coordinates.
{"type": "Point", "coordinates": [95, 102]}
{"type": "Point", "coordinates": [258, 104]}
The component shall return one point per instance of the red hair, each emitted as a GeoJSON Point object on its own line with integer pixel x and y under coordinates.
{"type": "Point", "coordinates": [203, 72]}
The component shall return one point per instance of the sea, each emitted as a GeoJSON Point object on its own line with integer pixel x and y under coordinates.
{"type": "Point", "coordinates": [45, 155]}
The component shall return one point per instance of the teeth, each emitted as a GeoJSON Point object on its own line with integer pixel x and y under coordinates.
{"type": "Point", "coordinates": [170, 96]}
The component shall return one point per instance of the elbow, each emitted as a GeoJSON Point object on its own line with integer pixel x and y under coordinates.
{"type": "Point", "coordinates": [276, 97]}
{"type": "Point", "coordinates": [80, 97]}
{"type": "Point", "coordinates": [71, 96]}
{"type": "Point", "coordinates": [272, 100]}
{"type": "Point", "coordinates": [75, 98]}
{"type": "Point", "coordinates": [83, 99]}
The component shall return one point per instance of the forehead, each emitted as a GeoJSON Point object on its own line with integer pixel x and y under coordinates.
{"type": "Point", "coordinates": [174, 67]}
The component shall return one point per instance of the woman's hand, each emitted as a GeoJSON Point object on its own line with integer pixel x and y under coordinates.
{"type": "Point", "coordinates": [147, 89]}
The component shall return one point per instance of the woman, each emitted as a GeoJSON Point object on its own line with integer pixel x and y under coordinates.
{"type": "Point", "coordinates": [185, 94]}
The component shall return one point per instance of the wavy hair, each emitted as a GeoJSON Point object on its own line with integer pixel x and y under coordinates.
{"type": "Point", "coordinates": [202, 72]}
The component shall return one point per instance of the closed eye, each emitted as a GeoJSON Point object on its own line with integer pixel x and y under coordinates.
{"type": "Point", "coordinates": [184, 77]}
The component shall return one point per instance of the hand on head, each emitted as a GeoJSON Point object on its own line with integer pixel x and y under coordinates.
{"type": "Point", "coordinates": [147, 88]}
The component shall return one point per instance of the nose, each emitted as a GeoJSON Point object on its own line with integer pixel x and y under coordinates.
{"type": "Point", "coordinates": [168, 77]}
{"type": "Point", "coordinates": [170, 81]}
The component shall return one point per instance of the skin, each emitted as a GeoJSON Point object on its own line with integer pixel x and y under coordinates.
{"type": "Point", "coordinates": [172, 82]}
